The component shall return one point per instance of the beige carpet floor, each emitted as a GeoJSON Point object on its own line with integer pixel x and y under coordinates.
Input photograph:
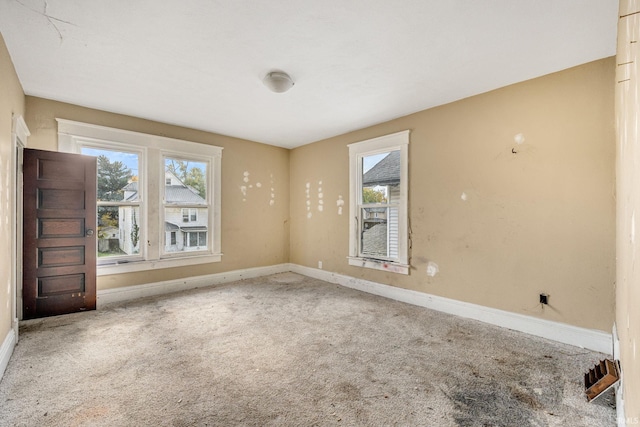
{"type": "Point", "coordinates": [286, 350]}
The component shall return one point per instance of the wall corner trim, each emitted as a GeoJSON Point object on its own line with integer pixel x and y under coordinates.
{"type": "Point", "coordinates": [126, 293]}
{"type": "Point", "coordinates": [619, 386]}
{"type": "Point", "coordinates": [568, 334]}
{"type": "Point", "coordinates": [6, 350]}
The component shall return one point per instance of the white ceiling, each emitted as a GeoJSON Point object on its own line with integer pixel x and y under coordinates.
{"type": "Point", "coordinates": [200, 63]}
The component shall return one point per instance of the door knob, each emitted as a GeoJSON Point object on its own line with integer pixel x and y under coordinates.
{"type": "Point", "coordinates": [89, 232]}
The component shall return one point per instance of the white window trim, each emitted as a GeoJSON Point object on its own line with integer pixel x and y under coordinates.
{"type": "Point", "coordinates": [395, 141]}
{"type": "Point", "coordinates": [72, 135]}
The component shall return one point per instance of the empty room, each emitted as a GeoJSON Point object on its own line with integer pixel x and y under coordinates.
{"type": "Point", "coordinates": [305, 213]}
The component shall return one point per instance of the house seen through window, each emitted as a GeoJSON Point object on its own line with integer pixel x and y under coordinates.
{"type": "Point", "coordinates": [186, 213]}
{"type": "Point", "coordinates": [379, 204]}
{"type": "Point", "coordinates": [379, 198]}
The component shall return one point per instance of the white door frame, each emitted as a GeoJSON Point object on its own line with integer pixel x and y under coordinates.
{"type": "Point", "coordinates": [19, 135]}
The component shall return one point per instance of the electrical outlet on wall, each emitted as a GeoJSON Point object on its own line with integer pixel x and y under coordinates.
{"type": "Point", "coordinates": [544, 299]}
{"type": "Point", "coordinates": [320, 265]}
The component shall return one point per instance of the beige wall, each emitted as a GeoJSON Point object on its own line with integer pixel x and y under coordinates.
{"type": "Point", "coordinates": [541, 220]}
{"type": "Point", "coordinates": [11, 103]}
{"type": "Point", "coordinates": [628, 190]}
{"type": "Point", "coordinates": [254, 233]}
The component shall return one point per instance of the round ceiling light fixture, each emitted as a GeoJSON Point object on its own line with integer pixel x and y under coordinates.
{"type": "Point", "coordinates": [278, 81]}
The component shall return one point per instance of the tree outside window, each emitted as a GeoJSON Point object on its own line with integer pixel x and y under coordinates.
{"type": "Point", "coordinates": [118, 202]}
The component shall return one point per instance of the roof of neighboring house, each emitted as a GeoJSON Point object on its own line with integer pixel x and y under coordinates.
{"type": "Point", "coordinates": [374, 240]}
{"type": "Point", "coordinates": [182, 194]}
{"type": "Point", "coordinates": [385, 172]}
{"type": "Point", "coordinates": [172, 194]}
{"type": "Point", "coordinates": [193, 228]}
{"type": "Point", "coordinates": [169, 226]}
{"type": "Point", "coordinates": [131, 187]}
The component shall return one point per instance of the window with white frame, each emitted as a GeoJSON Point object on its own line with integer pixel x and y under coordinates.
{"type": "Point", "coordinates": [186, 206]}
{"type": "Point", "coordinates": [378, 173]}
{"type": "Point", "coordinates": [189, 215]}
{"type": "Point", "coordinates": [158, 198]}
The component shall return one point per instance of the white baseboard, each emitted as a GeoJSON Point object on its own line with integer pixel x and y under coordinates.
{"type": "Point", "coordinates": [561, 332]}
{"type": "Point", "coordinates": [107, 296]}
{"type": "Point", "coordinates": [6, 351]}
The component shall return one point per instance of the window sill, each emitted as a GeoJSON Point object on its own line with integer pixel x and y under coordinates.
{"type": "Point", "coordinates": [133, 266]}
{"type": "Point", "coordinates": [376, 264]}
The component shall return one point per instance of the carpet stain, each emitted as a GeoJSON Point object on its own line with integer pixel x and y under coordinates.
{"type": "Point", "coordinates": [349, 391]}
{"type": "Point", "coordinates": [525, 398]}
{"type": "Point", "coordinates": [90, 415]}
{"type": "Point", "coordinates": [491, 405]}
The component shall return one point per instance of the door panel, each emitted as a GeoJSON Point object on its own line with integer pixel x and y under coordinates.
{"type": "Point", "coordinates": [60, 227]}
{"type": "Point", "coordinates": [59, 257]}
{"type": "Point", "coordinates": [59, 271]}
{"type": "Point", "coordinates": [49, 198]}
{"type": "Point", "coordinates": [60, 284]}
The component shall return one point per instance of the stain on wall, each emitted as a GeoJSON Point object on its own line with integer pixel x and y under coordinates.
{"type": "Point", "coordinates": [307, 192]}
{"type": "Point", "coordinates": [272, 200]}
{"type": "Point", "coordinates": [320, 197]}
{"type": "Point", "coordinates": [340, 204]}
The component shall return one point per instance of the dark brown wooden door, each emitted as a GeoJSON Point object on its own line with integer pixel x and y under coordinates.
{"type": "Point", "coordinates": [59, 258]}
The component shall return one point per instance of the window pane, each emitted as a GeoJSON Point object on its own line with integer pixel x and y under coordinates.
{"type": "Point", "coordinates": [117, 174]}
{"type": "Point", "coordinates": [118, 230]}
{"type": "Point", "coordinates": [185, 182]}
{"type": "Point", "coordinates": [190, 234]}
{"type": "Point", "coordinates": [374, 226]}
{"type": "Point", "coordinates": [379, 171]}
